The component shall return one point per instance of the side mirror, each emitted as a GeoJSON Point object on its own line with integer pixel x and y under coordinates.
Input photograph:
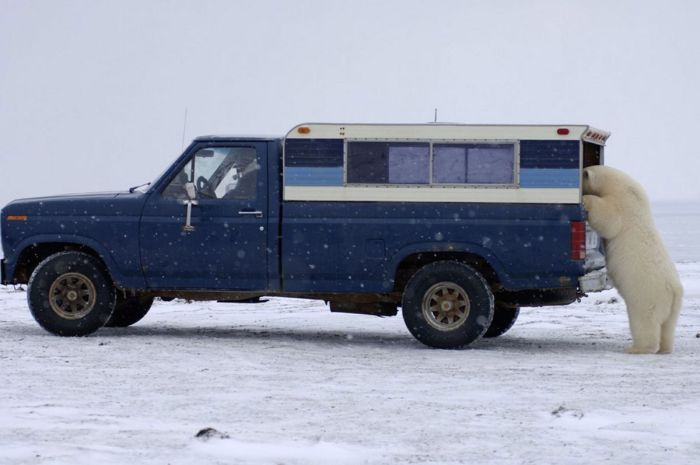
{"type": "Point", "coordinates": [191, 191]}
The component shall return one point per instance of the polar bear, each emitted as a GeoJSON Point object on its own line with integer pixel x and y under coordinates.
{"type": "Point", "coordinates": [638, 263]}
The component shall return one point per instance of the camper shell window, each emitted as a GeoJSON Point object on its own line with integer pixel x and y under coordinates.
{"type": "Point", "coordinates": [423, 163]}
{"type": "Point", "coordinates": [473, 164]}
{"type": "Point", "coordinates": [388, 163]}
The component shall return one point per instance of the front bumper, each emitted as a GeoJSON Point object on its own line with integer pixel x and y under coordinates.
{"type": "Point", "coordinates": [595, 281]}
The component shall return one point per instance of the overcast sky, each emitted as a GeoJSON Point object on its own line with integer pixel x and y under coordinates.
{"type": "Point", "coordinates": [93, 93]}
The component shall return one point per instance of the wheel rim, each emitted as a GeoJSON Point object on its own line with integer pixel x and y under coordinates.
{"type": "Point", "coordinates": [72, 296]}
{"type": "Point", "coordinates": [446, 306]}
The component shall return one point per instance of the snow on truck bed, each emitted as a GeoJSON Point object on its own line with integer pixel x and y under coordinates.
{"type": "Point", "coordinates": [287, 382]}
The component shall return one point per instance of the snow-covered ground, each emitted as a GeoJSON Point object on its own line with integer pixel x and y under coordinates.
{"type": "Point", "coordinates": [287, 382]}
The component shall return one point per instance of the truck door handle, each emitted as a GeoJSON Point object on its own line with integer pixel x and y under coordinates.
{"type": "Point", "coordinates": [256, 213]}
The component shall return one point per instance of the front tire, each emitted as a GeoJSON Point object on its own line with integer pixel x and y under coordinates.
{"type": "Point", "coordinates": [71, 294]}
{"type": "Point", "coordinates": [447, 305]}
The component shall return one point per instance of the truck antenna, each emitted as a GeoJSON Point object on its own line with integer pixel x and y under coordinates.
{"type": "Point", "coordinates": [435, 121]}
{"type": "Point", "coordinates": [184, 129]}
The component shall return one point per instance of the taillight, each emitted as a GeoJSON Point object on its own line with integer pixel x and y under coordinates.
{"type": "Point", "coordinates": [578, 240]}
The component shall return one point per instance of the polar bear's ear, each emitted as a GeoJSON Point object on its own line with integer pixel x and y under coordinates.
{"type": "Point", "coordinates": [588, 181]}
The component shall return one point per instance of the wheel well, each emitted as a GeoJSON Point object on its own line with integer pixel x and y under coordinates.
{"type": "Point", "coordinates": [36, 253]}
{"type": "Point", "coordinates": [413, 263]}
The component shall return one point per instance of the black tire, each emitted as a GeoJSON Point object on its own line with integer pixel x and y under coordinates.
{"type": "Point", "coordinates": [463, 305]}
{"type": "Point", "coordinates": [71, 294]}
{"type": "Point", "coordinates": [129, 310]}
{"type": "Point", "coordinates": [504, 317]}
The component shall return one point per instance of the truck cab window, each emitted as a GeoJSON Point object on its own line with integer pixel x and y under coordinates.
{"type": "Point", "coordinates": [218, 173]}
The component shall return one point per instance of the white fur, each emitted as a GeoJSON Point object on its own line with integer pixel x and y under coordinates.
{"type": "Point", "coordinates": [637, 261]}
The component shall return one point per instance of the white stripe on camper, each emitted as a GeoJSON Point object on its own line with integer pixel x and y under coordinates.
{"type": "Point", "coordinates": [430, 194]}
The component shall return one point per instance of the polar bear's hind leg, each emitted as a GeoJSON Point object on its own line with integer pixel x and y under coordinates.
{"type": "Point", "coordinates": [668, 328]}
{"type": "Point", "coordinates": [646, 335]}
{"type": "Point", "coordinates": [667, 331]}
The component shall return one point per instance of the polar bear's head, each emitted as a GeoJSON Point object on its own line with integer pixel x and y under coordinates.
{"type": "Point", "coordinates": [605, 181]}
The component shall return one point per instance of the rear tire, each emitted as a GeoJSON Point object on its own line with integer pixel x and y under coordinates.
{"type": "Point", "coordinates": [71, 294]}
{"type": "Point", "coordinates": [504, 318]}
{"type": "Point", "coordinates": [129, 310]}
{"type": "Point", "coordinates": [447, 305]}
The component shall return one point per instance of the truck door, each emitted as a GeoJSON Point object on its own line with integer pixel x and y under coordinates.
{"type": "Point", "coordinates": [225, 247]}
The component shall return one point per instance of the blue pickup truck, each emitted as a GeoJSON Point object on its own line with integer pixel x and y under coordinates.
{"type": "Point", "coordinates": [457, 225]}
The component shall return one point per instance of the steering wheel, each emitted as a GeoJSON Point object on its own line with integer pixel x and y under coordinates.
{"type": "Point", "coordinates": [204, 187]}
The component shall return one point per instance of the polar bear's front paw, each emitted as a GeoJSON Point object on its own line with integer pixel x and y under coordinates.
{"type": "Point", "coordinates": [641, 350]}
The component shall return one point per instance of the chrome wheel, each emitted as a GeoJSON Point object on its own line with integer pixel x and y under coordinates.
{"type": "Point", "coordinates": [446, 306]}
{"type": "Point", "coordinates": [72, 296]}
